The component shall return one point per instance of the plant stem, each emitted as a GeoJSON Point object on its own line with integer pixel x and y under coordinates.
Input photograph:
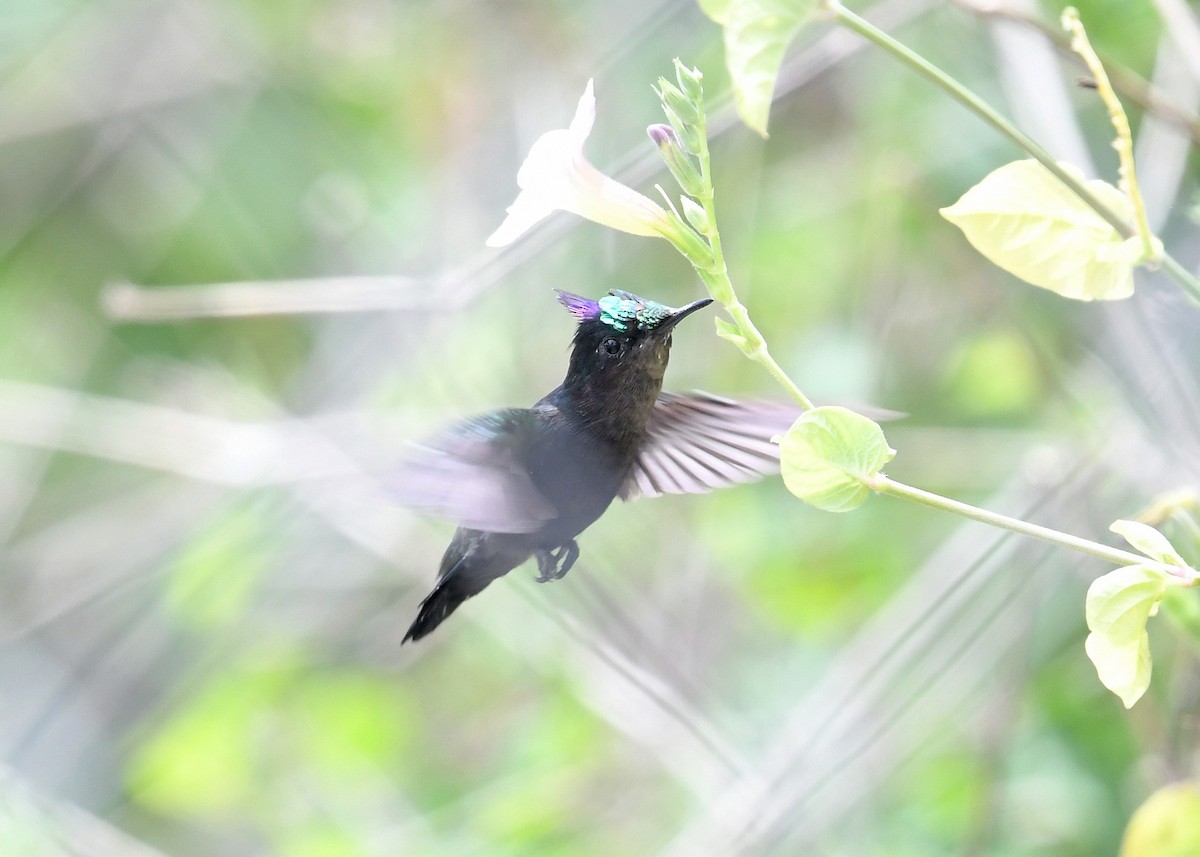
{"type": "Point", "coordinates": [928, 70]}
{"type": "Point", "coordinates": [716, 278]}
{"type": "Point", "coordinates": [1180, 274]}
{"type": "Point", "coordinates": [755, 347]}
{"type": "Point", "coordinates": [884, 485]}
{"type": "Point", "coordinates": [1120, 122]}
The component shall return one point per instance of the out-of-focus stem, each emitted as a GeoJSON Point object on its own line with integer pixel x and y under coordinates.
{"type": "Point", "coordinates": [1116, 114]}
{"type": "Point", "coordinates": [884, 485]}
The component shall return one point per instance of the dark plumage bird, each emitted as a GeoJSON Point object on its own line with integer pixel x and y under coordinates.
{"type": "Point", "coordinates": [524, 482]}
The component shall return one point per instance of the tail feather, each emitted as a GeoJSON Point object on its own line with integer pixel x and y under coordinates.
{"type": "Point", "coordinates": [472, 561]}
{"type": "Point", "coordinates": [444, 600]}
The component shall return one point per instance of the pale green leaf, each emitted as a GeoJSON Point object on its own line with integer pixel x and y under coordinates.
{"type": "Point", "coordinates": [1025, 220]}
{"type": "Point", "coordinates": [757, 33]}
{"type": "Point", "coordinates": [1131, 250]}
{"type": "Point", "coordinates": [1124, 669]}
{"type": "Point", "coordinates": [1118, 605]}
{"type": "Point", "coordinates": [730, 332]}
{"type": "Point", "coordinates": [1166, 825]}
{"type": "Point", "coordinates": [1145, 539]}
{"type": "Point", "coordinates": [828, 456]}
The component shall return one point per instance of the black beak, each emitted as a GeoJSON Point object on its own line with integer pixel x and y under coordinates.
{"type": "Point", "coordinates": [683, 312]}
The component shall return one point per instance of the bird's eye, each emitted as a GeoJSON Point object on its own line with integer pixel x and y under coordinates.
{"type": "Point", "coordinates": [611, 347]}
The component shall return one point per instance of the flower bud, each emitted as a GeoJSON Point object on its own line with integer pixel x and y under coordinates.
{"type": "Point", "coordinates": [693, 247]}
{"type": "Point", "coordinates": [678, 161]}
{"type": "Point", "coordinates": [688, 135]}
{"type": "Point", "coordinates": [691, 82]}
{"type": "Point", "coordinates": [696, 215]}
{"type": "Point", "coordinates": [672, 96]}
{"type": "Point", "coordinates": [662, 135]}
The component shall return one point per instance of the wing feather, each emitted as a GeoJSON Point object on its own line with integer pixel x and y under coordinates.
{"type": "Point", "coordinates": [697, 442]}
{"type": "Point", "coordinates": [472, 474]}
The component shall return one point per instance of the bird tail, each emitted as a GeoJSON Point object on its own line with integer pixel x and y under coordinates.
{"type": "Point", "coordinates": [472, 561]}
{"type": "Point", "coordinates": [450, 591]}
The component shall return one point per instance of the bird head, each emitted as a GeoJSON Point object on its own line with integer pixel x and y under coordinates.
{"type": "Point", "coordinates": [622, 340]}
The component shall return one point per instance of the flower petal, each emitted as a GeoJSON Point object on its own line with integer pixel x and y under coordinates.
{"type": "Point", "coordinates": [548, 165]}
{"type": "Point", "coordinates": [557, 176]}
{"type": "Point", "coordinates": [608, 202]}
{"type": "Point", "coordinates": [585, 115]}
{"type": "Point", "coordinates": [526, 212]}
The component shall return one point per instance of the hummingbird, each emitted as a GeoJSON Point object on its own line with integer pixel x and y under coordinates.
{"type": "Point", "coordinates": [524, 482]}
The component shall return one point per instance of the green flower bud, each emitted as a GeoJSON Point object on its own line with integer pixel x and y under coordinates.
{"type": "Point", "coordinates": [696, 215]}
{"type": "Point", "coordinates": [678, 161]}
{"type": "Point", "coordinates": [688, 135]}
{"type": "Point", "coordinates": [673, 97]}
{"type": "Point", "coordinates": [691, 82]}
{"type": "Point", "coordinates": [693, 247]}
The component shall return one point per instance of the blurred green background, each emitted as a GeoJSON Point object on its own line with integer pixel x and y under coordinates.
{"type": "Point", "coordinates": [242, 263]}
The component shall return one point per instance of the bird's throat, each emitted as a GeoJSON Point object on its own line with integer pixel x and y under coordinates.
{"type": "Point", "coordinates": [615, 413]}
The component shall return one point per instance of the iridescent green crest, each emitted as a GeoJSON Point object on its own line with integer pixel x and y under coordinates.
{"type": "Point", "coordinates": [622, 310]}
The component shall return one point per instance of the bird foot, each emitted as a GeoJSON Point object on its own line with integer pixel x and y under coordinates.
{"type": "Point", "coordinates": [554, 564]}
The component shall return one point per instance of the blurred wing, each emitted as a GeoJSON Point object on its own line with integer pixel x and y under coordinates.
{"type": "Point", "coordinates": [697, 442]}
{"type": "Point", "coordinates": [472, 474]}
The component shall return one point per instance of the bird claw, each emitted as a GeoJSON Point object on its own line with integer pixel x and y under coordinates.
{"type": "Point", "coordinates": [554, 564]}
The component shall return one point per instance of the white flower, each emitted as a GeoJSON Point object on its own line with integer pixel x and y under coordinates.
{"type": "Point", "coordinates": [557, 177]}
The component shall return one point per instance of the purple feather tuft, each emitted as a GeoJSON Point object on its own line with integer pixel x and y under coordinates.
{"type": "Point", "coordinates": [580, 307]}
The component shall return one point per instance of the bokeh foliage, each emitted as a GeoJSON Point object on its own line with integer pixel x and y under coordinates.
{"type": "Point", "coordinates": [203, 584]}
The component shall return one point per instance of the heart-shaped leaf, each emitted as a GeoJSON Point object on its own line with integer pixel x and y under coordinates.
{"type": "Point", "coordinates": [829, 455]}
{"type": "Point", "coordinates": [1024, 219]}
{"type": "Point", "coordinates": [1118, 605]}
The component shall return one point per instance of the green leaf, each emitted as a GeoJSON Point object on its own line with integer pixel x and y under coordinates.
{"type": "Point", "coordinates": [829, 455]}
{"type": "Point", "coordinates": [1118, 605]}
{"type": "Point", "coordinates": [1025, 220]}
{"type": "Point", "coordinates": [730, 332]}
{"type": "Point", "coordinates": [757, 33]}
{"type": "Point", "coordinates": [1166, 825]}
{"type": "Point", "coordinates": [1145, 539]}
